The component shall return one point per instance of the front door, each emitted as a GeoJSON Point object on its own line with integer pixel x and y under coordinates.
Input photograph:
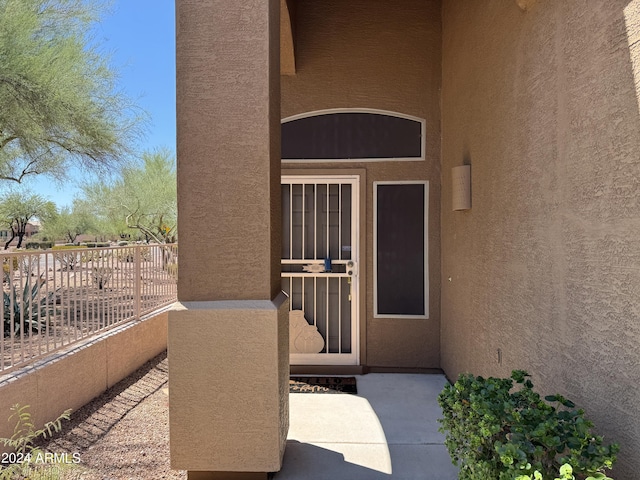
{"type": "Point", "coordinates": [320, 267]}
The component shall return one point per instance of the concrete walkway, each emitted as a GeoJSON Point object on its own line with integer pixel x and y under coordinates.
{"type": "Point", "coordinates": [388, 431]}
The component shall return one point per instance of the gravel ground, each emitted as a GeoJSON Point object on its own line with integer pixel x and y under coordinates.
{"type": "Point", "coordinates": [124, 433]}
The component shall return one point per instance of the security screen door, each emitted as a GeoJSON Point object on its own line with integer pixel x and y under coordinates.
{"type": "Point", "coordinates": [320, 267]}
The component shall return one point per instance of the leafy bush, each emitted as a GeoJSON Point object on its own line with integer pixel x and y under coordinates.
{"type": "Point", "coordinates": [25, 264]}
{"type": "Point", "coordinates": [22, 442]}
{"type": "Point", "coordinates": [566, 473]}
{"type": "Point", "coordinates": [9, 265]}
{"type": "Point", "coordinates": [493, 432]}
{"type": "Point", "coordinates": [97, 244]}
{"type": "Point", "coordinates": [35, 244]}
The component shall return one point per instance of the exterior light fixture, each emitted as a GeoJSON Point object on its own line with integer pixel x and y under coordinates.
{"type": "Point", "coordinates": [461, 187]}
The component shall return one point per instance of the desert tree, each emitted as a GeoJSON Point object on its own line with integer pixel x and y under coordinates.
{"type": "Point", "coordinates": [17, 209]}
{"type": "Point", "coordinates": [143, 197]}
{"type": "Point", "coordinates": [59, 103]}
{"type": "Point", "coordinates": [70, 222]}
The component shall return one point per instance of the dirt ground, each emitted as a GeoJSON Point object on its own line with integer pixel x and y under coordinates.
{"type": "Point", "coordinates": [124, 433]}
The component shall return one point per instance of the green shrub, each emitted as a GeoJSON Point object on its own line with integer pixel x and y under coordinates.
{"type": "Point", "coordinates": [35, 244]}
{"type": "Point", "coordinates": [67, 247]}
{"type": "Point", "coordinates": [97, 244]}
{"type": "Point", "coordinates": [496, 432]}
{"type": "Point", "coordinates": [30, 464]}
{"type": "Point", "coordinates": [9, 265]}
{"type": "Point", "coordinates": [565, 472]}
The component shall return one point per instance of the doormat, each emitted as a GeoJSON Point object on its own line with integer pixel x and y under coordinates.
{"type": "Point", "coordinates": [323, 385]}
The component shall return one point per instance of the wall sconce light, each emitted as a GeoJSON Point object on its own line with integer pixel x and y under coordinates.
{"type": "Point", "coordinates": [461, 187]}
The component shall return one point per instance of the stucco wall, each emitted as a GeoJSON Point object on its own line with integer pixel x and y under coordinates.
{"type": "Point", "coordinates": [380, 55]}
{"type": "Point", "coordinates": [228, 149]}
{"type": "Point", "coordinates": [73, 377]}
{"type": "Point", "coordinates": [546, 265]}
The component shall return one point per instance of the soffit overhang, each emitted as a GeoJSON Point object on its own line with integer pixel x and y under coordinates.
{"type": "Point", "coordinates": [287, 38]}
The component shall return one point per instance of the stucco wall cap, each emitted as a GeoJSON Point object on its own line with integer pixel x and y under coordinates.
{"type": "Point", "coordinates": [233, 304]}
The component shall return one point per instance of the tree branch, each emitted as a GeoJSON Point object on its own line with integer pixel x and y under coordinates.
{"type": "Point", "coordinates": [24, 173]}
{"type": "Point", "coordinates": [7, 140]}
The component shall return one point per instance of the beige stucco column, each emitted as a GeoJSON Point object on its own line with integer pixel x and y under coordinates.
{"type": "Point", "coordinates": [228, 337]}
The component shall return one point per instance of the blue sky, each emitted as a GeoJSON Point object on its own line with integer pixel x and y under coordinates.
{"type": "Point", "coordinates": [140, 36]}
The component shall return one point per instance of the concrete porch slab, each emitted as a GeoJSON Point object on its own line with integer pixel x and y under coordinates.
{"type": "Point", "coordinates": [389, 430]}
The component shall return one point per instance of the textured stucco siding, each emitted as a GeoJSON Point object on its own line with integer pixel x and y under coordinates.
{"type": "Point", "coordinates": [544, 106]}
{"type": "Point", "coordinates": [231, 413]}
{"type": "Point", "coordinates": [231, 328]}
{"type": "Point", "coordinates": [228, 149]}
{"type": "Point", "coordinates": [380, 55]}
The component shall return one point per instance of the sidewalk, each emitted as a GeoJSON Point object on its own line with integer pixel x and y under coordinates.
{"type": "Point", "coordinates": [388, 431]}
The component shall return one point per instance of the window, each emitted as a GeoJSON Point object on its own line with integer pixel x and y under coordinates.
{"type": "Point", "coordinates": [401, 288]}
{"type": "Point", "coordinates": [364, 135]}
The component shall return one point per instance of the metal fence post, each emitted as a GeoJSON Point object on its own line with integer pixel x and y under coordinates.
{"type": "Point", "coordinates": [137, 298]}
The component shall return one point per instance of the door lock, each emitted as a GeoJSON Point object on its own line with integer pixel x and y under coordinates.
{"type": "Point", "coordinates": [350, 267]}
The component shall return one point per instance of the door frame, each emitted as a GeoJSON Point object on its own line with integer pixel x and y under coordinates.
{"type": "Point", "coordinates": [358, 177]}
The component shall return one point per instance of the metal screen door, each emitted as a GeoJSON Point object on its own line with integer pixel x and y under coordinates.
{"type": "Point", "coordinates": [320, 267]}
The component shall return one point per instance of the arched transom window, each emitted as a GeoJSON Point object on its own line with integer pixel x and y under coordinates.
{"type": "Point", "coordinates": [352, 134]}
